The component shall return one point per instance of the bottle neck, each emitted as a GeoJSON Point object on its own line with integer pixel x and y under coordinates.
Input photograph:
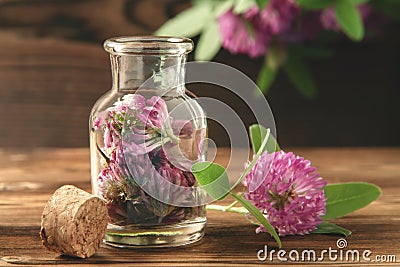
{"type": "Point", "coordinates": [163, 73]}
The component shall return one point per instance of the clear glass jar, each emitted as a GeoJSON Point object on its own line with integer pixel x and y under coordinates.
{"type": "Point", "coordinates": [144, 135]}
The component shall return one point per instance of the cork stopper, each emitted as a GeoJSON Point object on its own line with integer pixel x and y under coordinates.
{"type": "Point", "coordinates": [73, 222]}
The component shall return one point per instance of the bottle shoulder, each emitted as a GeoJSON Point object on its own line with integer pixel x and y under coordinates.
{"type": "Point", "coordinates": [186, 101]}
{"type": "Point", "coordinates": [105, 101]}
{"type": "Point", "coordinates": [109, 98]}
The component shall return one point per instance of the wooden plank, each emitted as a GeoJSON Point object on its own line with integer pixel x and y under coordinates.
{"type": "Point", "coordinates": [86, 20]}
{"type": "Point", "coordinates": [45, 80]}
{"type": "Point", "coordinates": [48, 88]}
{"type": "Point", "coordinates": [27, 179]}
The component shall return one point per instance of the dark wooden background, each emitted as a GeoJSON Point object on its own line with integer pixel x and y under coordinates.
{"type": "Point", "coordinates": [53, 68]}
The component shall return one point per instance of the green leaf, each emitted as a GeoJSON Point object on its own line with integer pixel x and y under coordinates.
{"type": "Point", "coordinates": [262, 3]}
{"type": "Point", "coordinates": [213, 178]}
{"type": "Point", "coordinates": [223, 7]}
{"type": "Point", "coordinates": [209, 43]}
{"type": "Point", "coordinates": [330, 228]}
{"type": "Point", "coordinates": [314, 4]}
{"type": "Point", "coordinates": [242, 6]}
{"type": "Point", "coordinates": [345, 198]}
{"type": "Point", "coordinates": [266, 77]}
{"type": "Point", "coordinates": [300, 76]}
{"type": "Point", "coordinates": [349, 19]}
{"type": "Point", "coordinates": [257, 135]}
{"type": "Point", "coordinates": [188, 23]}
{"type": "Point", "coordinates": [259, 216]}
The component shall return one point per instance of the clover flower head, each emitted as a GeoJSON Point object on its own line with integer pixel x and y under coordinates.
{"type": "Point", "coordinates": [288, 191]}
{"type": "Point", "coordinates": [136, 174]}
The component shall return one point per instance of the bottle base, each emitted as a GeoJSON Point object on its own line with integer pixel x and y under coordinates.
{"type": "Point", "coordinates": [173, 235]}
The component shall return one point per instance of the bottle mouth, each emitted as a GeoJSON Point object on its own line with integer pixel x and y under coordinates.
{"type": "Point", "coordinates": [152, 45]}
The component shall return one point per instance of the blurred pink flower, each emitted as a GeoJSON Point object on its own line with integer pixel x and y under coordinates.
{"type": "Point", "coordinates": [239, 36]}
{"type": "Point", "coordinates": [251, 32]}
{"type": "Point", "coordinates": [276, 18]}
{"type": "Point", "coordinates": [286, 189]}
{"type": "Point", "coordinates": [329, 21]}
{"type": "Point", "coordinates": [306, 28]}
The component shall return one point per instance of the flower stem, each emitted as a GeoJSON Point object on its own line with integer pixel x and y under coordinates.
{"type": "Point", "coordinates": [102, 153]}
{"type": "Point", "coordinates": [232, 204]}
{"type": "Point", "coordinates": [230, 208]}
{"type": "Point", "coordinates": [253, 162]}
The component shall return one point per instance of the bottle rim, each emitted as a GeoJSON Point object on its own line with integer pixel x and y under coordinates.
{"type": "Point", "coordinates": [152, 45]}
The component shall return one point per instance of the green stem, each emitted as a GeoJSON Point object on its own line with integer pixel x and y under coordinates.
{"type": "Point", "coordinates": [232, 204]}
{"type": "Point", "coordinates": [253, 162]}
{"type": "Point", "coordinates": [258, 215]}
{"type": "Point", "coordinates": [169, 132]}
{"type": "Point", "coordinates": [240, 210]}
{"type": "Point", "coordinates": [107, 159]}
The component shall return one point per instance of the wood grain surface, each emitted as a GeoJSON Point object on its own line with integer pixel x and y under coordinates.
{"type": "Point", "coordinates": [28, 178]}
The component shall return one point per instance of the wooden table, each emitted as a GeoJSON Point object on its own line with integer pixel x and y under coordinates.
{"type": "Point", "coordinates": [28, 178]}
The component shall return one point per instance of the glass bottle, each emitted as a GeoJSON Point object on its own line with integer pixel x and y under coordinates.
{"type": "Point", "coordinates": [144, 135]}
